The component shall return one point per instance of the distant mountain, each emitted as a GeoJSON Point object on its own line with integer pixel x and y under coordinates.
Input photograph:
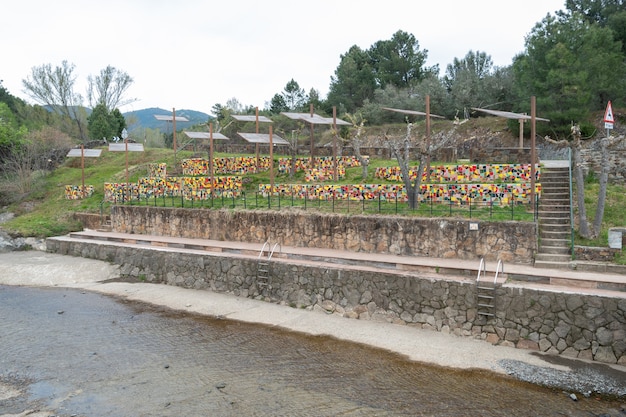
{"type": "Point", "coordinates": [145, 119]}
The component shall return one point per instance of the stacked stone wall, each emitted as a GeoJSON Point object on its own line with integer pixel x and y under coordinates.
{"type": "Point", "coordinates": [90, 220]}
{"type": "Point", "coordinates": [500, 155]}
{"type": "Point", "coordinates": [575, 325]}
{"type": "Point", "coordinates": [438, 238]}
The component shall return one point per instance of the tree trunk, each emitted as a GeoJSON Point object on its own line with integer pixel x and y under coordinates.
{"type": "Point", "coordinates": [583, 226]}
{"type": "Point", "coordinates": [292, 168]}
{"type": "Point", "coordinates": [356, 144]}
{"type": "Point", "coordinates": [604, 179]}
{"type": "Point", "coordinates": [416, 186]}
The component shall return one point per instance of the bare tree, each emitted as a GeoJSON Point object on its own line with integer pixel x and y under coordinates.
{"type": "Point", "coordinates": [108, 88]}
{"type": "Point", "coordinates": [38, 153]}
{"type": "Point", "coordinates": [293, 146]}
{"type": "Point", "coordinates": [605, 144]}
{"type": "Point", "coordinates": [401, 150]}
{"type": "Point", "coordinates": [356, 139]}
{"type": "Point", "coordinates": [54, 87]}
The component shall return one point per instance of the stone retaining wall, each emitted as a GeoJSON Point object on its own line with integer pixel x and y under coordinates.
{"type": "Point", "coordinates": [437, 238]}
{"type": "Point", "coordinates": [595, 254]}
{"type": "Point", "coordinates": [575, 325]}
{"type": "Point", "coordinates": [91, 220]}
{"type": "Point", "coordinates": [500, 155]}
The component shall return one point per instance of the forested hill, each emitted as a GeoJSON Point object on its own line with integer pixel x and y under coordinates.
{"type": "Point", "coordinates": [145, 119]}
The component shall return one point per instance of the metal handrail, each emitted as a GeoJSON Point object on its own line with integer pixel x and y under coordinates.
{"type": "Point", "coordinates": [267, 243]}
{"type": "Point", "coordinates": [571, 206]}
{"type": "Point", "coordinates": [498, 268]}
{"type": "Point", "coordinates": [270, 252]}
{"type": "Point", "coordinates": [482, 268]}
{"type": "Point", "coordinates": [273, 249]}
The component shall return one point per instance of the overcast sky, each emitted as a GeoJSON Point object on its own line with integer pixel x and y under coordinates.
{"type": "Point", "coordinates": [192, 54]}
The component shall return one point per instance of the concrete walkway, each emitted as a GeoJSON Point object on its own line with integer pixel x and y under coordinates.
{"type": "Point", "coordinates": [451, 268]}
{"type": "Point", "coordinates": [39, 269]}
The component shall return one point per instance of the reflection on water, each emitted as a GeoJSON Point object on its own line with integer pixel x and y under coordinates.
{"type": "Point", "coordinates": [90, 355]}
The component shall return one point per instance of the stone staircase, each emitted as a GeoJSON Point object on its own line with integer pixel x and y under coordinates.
{"type": "Point", "coordinates": [555, 228]}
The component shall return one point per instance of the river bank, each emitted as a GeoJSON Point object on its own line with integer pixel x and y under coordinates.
{"type": "Point", "coordinates": [40, 269]}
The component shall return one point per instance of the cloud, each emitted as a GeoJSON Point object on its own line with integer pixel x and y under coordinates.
{"type": "Point", "coordinates": [194, 53]}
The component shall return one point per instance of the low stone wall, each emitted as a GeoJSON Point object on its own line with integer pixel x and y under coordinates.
{"type": "Point", "coordinates": [437, 238]}
{"type": "Point", "coordinates": [595, 254]}
{"type": "Point", "coordinates": [91, 220]}
{"type": "Point", "coordinates": [575, 325]}
{"type": "Point", "coordinates": [500, 155]}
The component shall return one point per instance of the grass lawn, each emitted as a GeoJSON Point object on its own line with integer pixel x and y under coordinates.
{"type": "Point", "coordinates": [43, 210]}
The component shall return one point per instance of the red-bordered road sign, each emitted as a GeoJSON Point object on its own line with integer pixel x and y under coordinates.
{"type": "Point", "coordinates": [608, 114]}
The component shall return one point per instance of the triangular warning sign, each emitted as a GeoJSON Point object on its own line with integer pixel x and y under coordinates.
{"type": "Point", "coordinates": [608, 114]}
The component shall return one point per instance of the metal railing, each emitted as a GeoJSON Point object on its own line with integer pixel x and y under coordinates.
{"type": "Point", "coordinates": [470, 208]}
{"type": "Point", "coordinates": [481, 269]}
{"type": "Point", "coordinates": [270, 252]}
{"type": "Point", "coordinates": [499, 268]}
{"type": "Point", "coordinates": [571, 204]}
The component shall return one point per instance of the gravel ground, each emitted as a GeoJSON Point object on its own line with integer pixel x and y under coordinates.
{"type": "Point", "coordinates": [585, 378]}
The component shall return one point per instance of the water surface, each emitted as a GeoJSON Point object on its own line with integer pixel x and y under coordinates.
{"type": "Point", "coordinates": [85, 354]}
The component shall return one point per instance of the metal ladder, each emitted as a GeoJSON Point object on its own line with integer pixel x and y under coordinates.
{"type": "Point", "coordinates": [263, 277]}
{"type": "Point", "coordinates": [486, 291]}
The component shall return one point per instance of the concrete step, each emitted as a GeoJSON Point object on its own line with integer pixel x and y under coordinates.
{"type": "Point", "coordinates": [555, 180]}
{"type": "Point", "coordinates": [555, 187]}
{"type": "Point", "coordinates": [551, 258]}
{"type": "Point", "coordinates": [554, 227]}
{"type": "Point", "coordinates": [564, 234]}
{"type": "Point", "coordinates": [555, 242]}
{"type": "Point", "coordinates": [547, 191]}
{"type": "Point", "coordinates": [553, 213]}
{"type": "Point", "coordinates": [557, 237]}
{"type": "Point", "coordinates": [553, 250]}
{"type": "Point", "coordinates": [549, 265]}
{"type": "Point", "coordinates": [554, 217]}
{"type": "Point", "coordinates": [556, 198]}
{"type": "Point", "coordinates": [552, 201]}
{"type": "Point", "coordinates": [554, 207]}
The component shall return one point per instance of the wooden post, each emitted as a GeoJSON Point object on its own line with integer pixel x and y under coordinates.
{"type": "Point", "coordinates": [271, 162]}
{"type": "Point", "coordinates": [533, 156]}
{"type": "Point", "coordinates": [174, 134]}
{"type": "Point", "coordinates": [211, 157]}
{"type": "Point", "coordinates": [335, 173]}
{"type": "Point", "coordinates": [311, 128]}
{"type": "Point", "coordinates": [82, 167]}
{"type": "Point", "coordinates": [521, 133]}
{"type": "Point", "coordinates": [258, 159]}
{"type": "Point", "coordinates": [174, 128]}
{"type": "Point", "coordinates": [127, 181]}
{"type": "Point", "coordinates": [427, 140]}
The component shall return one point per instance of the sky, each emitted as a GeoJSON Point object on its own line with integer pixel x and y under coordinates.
{"type": "Point", "coordinates": [193, 54]}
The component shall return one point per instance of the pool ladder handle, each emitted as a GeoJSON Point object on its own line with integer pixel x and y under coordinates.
{"type": "Point", "coordinates": [486, 292]}
{"type": "Point", "coordinates": [263, 265]}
